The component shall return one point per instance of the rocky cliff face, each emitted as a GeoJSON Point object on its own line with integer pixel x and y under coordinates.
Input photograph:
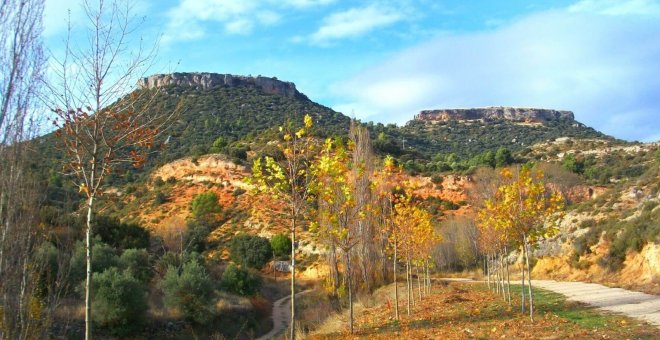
{"type": "Point", "coordinates": [495, 113]}
{"type": "Point", "coordinates": [209, 80]}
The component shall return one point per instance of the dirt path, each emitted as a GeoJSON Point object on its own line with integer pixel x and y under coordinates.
{"type": "Point", "coordinates": [633, 304]}
{"type": "Point", "coordinates": [281, 316]}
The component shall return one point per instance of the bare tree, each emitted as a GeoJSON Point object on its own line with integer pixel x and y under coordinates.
{"type": "Point", "coordinates": [97, 131]}
{"type": "Point", "coordinates": [21, 66]}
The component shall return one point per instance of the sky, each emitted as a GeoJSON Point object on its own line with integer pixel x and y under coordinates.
{"type": "Point", "coordinates": [384, 61]}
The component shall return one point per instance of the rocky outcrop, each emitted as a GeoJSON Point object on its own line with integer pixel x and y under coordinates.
{"type": "Point", "coordinates": [495, 113]}
{"type": "Point", "coordinates": [209, 80]}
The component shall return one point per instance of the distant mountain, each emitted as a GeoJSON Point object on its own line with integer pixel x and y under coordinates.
{"type": "Point", "coordinates": [515, 114]}
{"type": "Point", "coordinates": [239, 115]}
{"type": "Point", "coordinates": [467, 132]}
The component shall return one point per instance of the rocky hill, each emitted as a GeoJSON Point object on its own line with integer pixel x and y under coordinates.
{"type": "Point", "coordinates": [515, 114]}
{"type": "Point", "coordinates": [206, 81]}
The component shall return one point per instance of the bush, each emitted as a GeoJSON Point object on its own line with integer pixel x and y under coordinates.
{"type": "Point", "coordinates": [119, 301]}
{"type": "Point", "coordinates": [160, 198]}
{"type": "Point", "coordinates": [240, 281]}
{"type": "Point", "coordinates": [281, 244]}
{"type": "Point", "coordinates": [103, 257]}
{"type": "Point", "coordinates": [46, 257]}
{"type": "Point", "coordinates": [194, 239]}
{"type": "Point", "coordinates": [158, 181]}
{"type": "Point", "coordinates": [238, 191]}
{"type": "Point", "coordinates": [136, 262]}
{"type": "Point", "coordinates": [503, 157]}
{"type": "Point", "coordinates": [190, 291]}
{"type": "Point", "coordinates": [205, 205]}
{"type": "Point", "coordinates": [121, 235]}
{"type": "Point", "coordinates": [250, 251]}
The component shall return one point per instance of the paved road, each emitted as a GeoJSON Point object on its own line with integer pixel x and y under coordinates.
{"type": "Point", "coordinates": [281, 316]}
{"type": "Point", "coordinates": [633, 304]}
{"type": "Point", "coordinates": [636, 305]}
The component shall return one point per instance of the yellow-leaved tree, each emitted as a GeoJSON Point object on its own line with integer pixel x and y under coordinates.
{"type": "Point", "coordinates": [289, 180]}
{"type": "Point", "coordinates": [415, 237]}
{"type": "Point", "coordinates": [524, 211]}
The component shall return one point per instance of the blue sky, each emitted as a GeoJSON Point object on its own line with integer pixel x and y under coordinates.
{"type": "Point", "coordinates": [386, 60]}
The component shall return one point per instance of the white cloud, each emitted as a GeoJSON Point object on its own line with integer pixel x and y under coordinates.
{"type": "Point", "coordinates": [355, 22]}
{"type": "Point", "coordinates": [617, 7]}
{"type": "Point", "coordinates": [307, 3]}
{"type": "Point", "coordinates": [603, 68]}
{"type": "Point", "coordinates": [235, 16]}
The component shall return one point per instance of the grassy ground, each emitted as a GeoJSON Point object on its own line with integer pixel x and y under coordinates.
{"type": "Point", "coordinates": [470, 311]}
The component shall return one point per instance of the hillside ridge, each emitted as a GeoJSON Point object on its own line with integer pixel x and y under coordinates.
{"type": "Point", "coordinates": [208, 80]}
{"type": "Point", "coordinates": [518, 114]}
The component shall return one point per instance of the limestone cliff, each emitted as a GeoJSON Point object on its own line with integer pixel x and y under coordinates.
{"type": "Point", "coordinates": [208, 80]}
{"type": "Point", "coordinates": [495, 113]}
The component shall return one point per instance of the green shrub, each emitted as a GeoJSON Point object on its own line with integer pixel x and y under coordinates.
{"type": "Point", "coordinates": [136, 262]}
{"type": "Point", "coordinates": [238, 191]}
{"type": "Point", "coordinates": [195, 236]}
{"type": "Point", "coordinates": [103, 257]}
{"type": "Point", "coordinates": [250, 251]}
{"type": "Point", "coordinates": [205, 205]}
{"type": "Point", "coordinates": [158, 181]}
{"type": "Point", "coordinates": [503, 157]}
{"type": "Point", "coordinates": [240, 281]}
{"type": "Point", "coordinates": [118, 301]}
{"type": "Point", "coordinates": [160, 198]}
{"type": "Point", "coordinates": [281, 244]}
{"type": "Point", "coordinates": [190, 291]}
{"type": "Point", "coordinates": [46, 258]}
{"type": "Point", "coordinates": [120, 235]}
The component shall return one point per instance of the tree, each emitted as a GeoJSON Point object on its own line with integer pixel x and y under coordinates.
{"type": "Point", "coordinates": [571, 163]}
{"type": "Point", "coordinates": [97, 131]}
{"type": "Point", "coordinates": [240, 281]}
{"type": "Point", "coordinates": [250, 251]}
{"type": "Point", "coordinates": [281, 244]}
{"type": "Point", "coordinates": [503, 157]}
{"type": "Point", "coordinates": [22, 65]}
{"type": "Point", "coordinates": [204, 206]}
{"type": "Point", "coordinates": [337, 208]}
{"type": "Point", "coordinates": [189, 290]}
{"type": "Point", "coordinates": [136, 262]}
{"type": "Point", "coordinates": [387, 179]}
{"type": "Point", "coordinates": [120, 301]}
{"type": "Point", "coordinates": [416, 237]}
{"type": "Point", "coordinates": [525, 212]}
{"type": "Point", "coordinates": [288, 180]}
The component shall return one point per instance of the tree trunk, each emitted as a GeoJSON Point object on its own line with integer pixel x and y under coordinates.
{"type": "Point", "coordinates": [486, 271]}
{"type": "Point", "coordinates": [88, 274]}
{"type": "Point", "coordinates": [500, 264]}
{"type": "Point", "coordinates": [334, 269]}
{"type": "Point", "coordinates": [522, 274]}
{"type": "Point", "coordinates": [529, 282]}
{"type": "Point", "coordinates": [396, 287]}
{"type": "Point", "coordinates": [428, 279]}
{"type": "Point", "coordinates": [419, 284]}
{"type": "Point", "coordinates": [508, 278]}
{"type": "Point", "coordinates": [292, 325]}
{"type": "Point", "coordinates": [350, 289]}
{"type": "Point", "coordinates": [408, 284]}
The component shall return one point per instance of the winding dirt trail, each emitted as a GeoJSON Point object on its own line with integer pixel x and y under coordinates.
{"type": "Point", "coordinates": [281, 316]}
{"type": "Point", "coordinates": [633, 304]}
